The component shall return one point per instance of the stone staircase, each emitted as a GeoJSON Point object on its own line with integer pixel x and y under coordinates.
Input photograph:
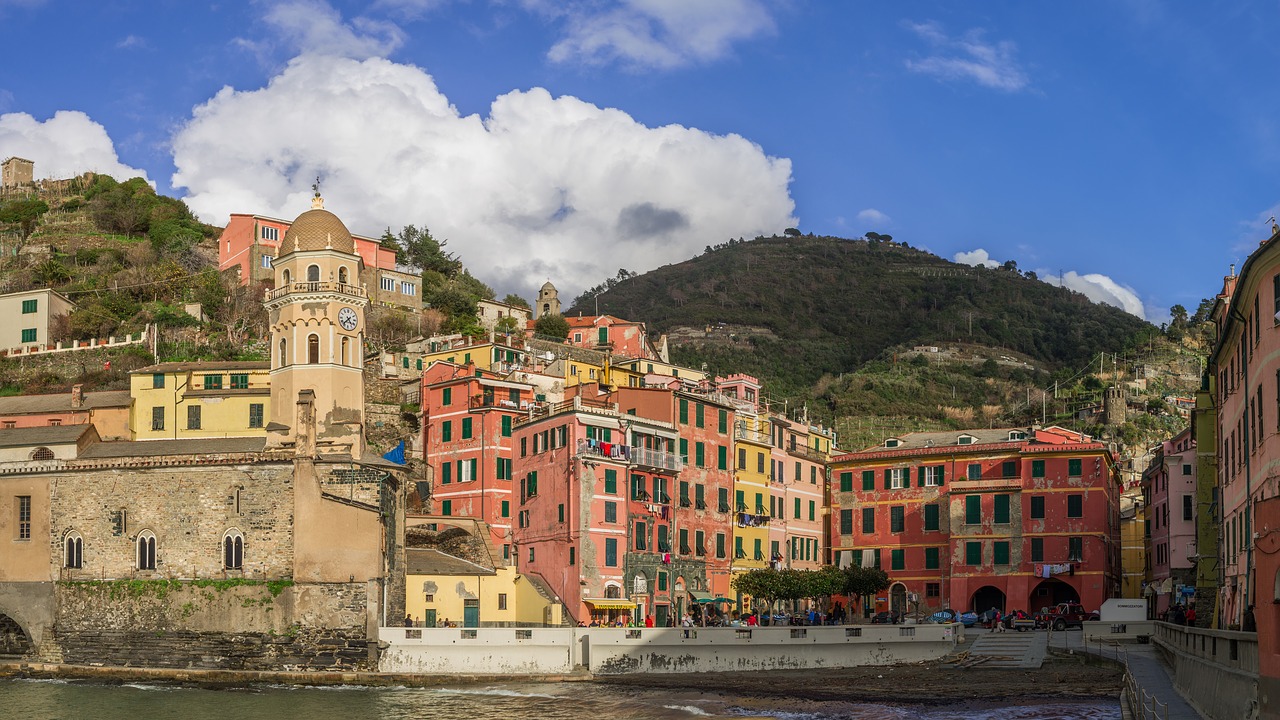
{"type": "Point", "coordinates": [1025, 650]}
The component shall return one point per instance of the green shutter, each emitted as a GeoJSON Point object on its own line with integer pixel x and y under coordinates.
{"type": "Point", "coordinates": [1000, 550]}
{"type": "Point", "coordinates": [1074, 468]}
{"type": "Point", "coordinates": [446, 430]}
{"type": "Point", "coordinates": [941, 472]}
{"type": "Point", "coordinates": [506, 426]}
{"type": "Point", "coordinates": [868, 480]}
{"type": "Point", "coordinates": [973, 510]}
{"type": "Point", "coordinates": [919, 476]}
{"type": "Point", "coordinates": [973, 553]}
{"type": "Point", "coordinates": [723, 457]}
{"type": "Point", "coordinates": [931, 558]}
{"type": "Point", "coordinates": [1037, 468]}
{"type": "Point", "coordinates": [931, 517]}
{"type": "Point", "coordinates": [888, 482]}
{"type": "Point", "coordinates": [684, 449]}
{"type": "Point", "coordinates": [846, 482]}
{"type": "Point", "coordinates": [684, 411]}
{"type": "Point", "coordinates": [1002, 509]}
{"type": "Point", "coordinates": [611, 481]}
{"type": "Point", "coordinates": [897, 560]}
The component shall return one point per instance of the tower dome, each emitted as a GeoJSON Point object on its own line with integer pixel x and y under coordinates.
{"type": "Point", "coordinates": [318, 229]}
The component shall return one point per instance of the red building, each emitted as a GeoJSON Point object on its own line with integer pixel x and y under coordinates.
{"type": "Point", "coordinates": [596, 513]}
{"type": "Point", "coordinates": [608, 333]}
{"type": "Point", "coordinates": [468, 421]}
{"type": "Point", "coordinates": [1015, 518]}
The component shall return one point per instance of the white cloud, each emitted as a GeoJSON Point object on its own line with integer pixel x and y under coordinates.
{"type": "Point", "coordinates": [541, 187]}
{"type": "Point", "coordinates": [315, 27]}
{"type": "Point", "coordinates": [65, 145]}
{"type": "Point", "coordinates": [976, 258]}
{"type": "Point", "coordinates": [660, 34]}
{"type": "Point", "coordinates": [969, 57]}
{"type": "Point", "coordinates": [874, 217]}
{"type": "Point", "coordinates": [1100, 288]}
{"type": "Point", "coordinates": [131, 41]}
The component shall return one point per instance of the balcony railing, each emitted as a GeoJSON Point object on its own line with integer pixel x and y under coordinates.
{"type": "Point", "coordinates": [506, 403]}
{"type": "Point", "coordinates": [742, 432]}
{"type": "Point", "coordinates": [317, 287]}
{"type": "Point", "coordinates": [639, 456]}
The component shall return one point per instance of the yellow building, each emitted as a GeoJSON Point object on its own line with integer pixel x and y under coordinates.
{"type": "Point", "coordinates": [1133, 544]}
{"type": "Point", "coordinates": [200, 400]}
{"type": "Point", "coordinates": [645, 366]}
{"type": "Point", "coordinates": [752, 444]}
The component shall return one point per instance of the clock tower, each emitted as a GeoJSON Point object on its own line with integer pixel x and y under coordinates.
{"type": "Point", "coordinates": [316, 313]}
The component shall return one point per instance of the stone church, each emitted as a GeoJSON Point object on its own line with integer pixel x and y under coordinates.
{"type": "Point", "coordinates": [283, 552]}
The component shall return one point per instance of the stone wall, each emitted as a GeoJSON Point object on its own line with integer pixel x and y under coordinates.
{"type": "Point", "coordinates": [235, 625]}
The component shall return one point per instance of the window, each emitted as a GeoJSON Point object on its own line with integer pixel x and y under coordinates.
{"type": "Point", "coordinates": [964, 440]}
{"type": "Point", "coordinates": [270, 233]}
{"type": "Point", "coordinates": [24, 517]}
{"type": "Point", "coordinates": [931, 558]}
{"type": "Point", "coordinates": [193, 417]}
{"type": "Point", "coordinates": [506, 508]}
{"type": "Point", "coordinates": [797, 508]}
{"type": "Point", "coordinates": [1037, 507]}
{"type": "Point", "coordinates": [684, 411]}
{"type": "Point", "coordinates": [846, 522]}
{"type": "Point", "coordinates": [387, 284]}
{"type": "Point", "coordinates": [973, 510]}
{"type": "Point", "coordinates": [255, 415]}
{"type": "Point", "coordinates": [611, 481]}
{"type": "Point", "coordinates": [898, 478]}
{"type": "Point", "coordinates": [722, 457]}
{"type": "Point", "coordinates": [742, 458]}
{"type": "Point", "coordinates": [700, 496]}
{"type": "Point", "coordinates": [723, 426]}
{"type": "Point", "coordinates": [466, 428]}
{"type": "Point", "coordinates": [758, 548]}
{"type": "Point", "coordinates": [530, 554]}
{"type": "Point", "coordinates": [408, 288]}
{"type": "Point", "coordinates": [611, 512]}
{"type": "Point", "coordinates": [146, 550]}
{"type": "Point", "coordinates": [812, 510]}
{"type": "Point", "coordinates": [1187, 513]}
{"type": "Point", "coordinates": [1075, 467]}
{"type": "Point", "coordinates": [641, 535]}
{"type": "Point", "coordinates": [1186, 469]}
{"type": "Point", "coordinates": [502, 601]}
{"type": "Point", "coordinates": [211, 382]}
{"type": "Point", "coordinates": [846, 482]}
{"type": "Point", "coordinates": [1037, 468]}
{"type": "Point", "coordinates": [973, 553]}
{"type": "Point", "coordinates": [284, 359]}
{"type": "Point", "coordinates": [723, 498]}
{"type": "Point", "coordinates": [1009, 469]}
{"type": "Point", "coordinates": [975, 471]}
{"type": "Point", "coordinates": [932, 590]}
{"type": "Point", "coordinates": [868, 480]}
{"type": "Point", "coordinates": [897, 519]}
{"type": "Point", "coordinates": [446, 430]}
{"type": "Point", "coordinates": [560, 512]}
{"type": "Point", "coordinates": [29, 335]}
{"type": "Point", "coordinates": [573, 555]}
{"type": "Point", "coordinates": [698, 415]}
{"type": "Point", "coordinates": [239, 381]}
{"type": "Point", "coordinates": [932, 475]}
{"type": "Point", "coordinates": [286, 276]}
{"type": "Point", "coordinates": [157, 381]}
{"type": "Point", "coordinates": [1037, 549]}
{"type": "Point", "coordinates": [1075, 506]}
{"type": "Point", "coordinates": [611, 552]}
{"type": "Point", "coordinates": [931, 517]}
{"type": "Point", "coordinates": [74, 557]}
{"type": "Point", "coordinates": [897, 561]}
{"type": "Point", "coordinates": [1000, 551]}
{"type": "Point", "coordinates": [313, 349]}
{"type": "Point", "coordinates": [446, 473]}
{"type": "Point", "coordinates": [760, 463]}
{"type": "Point", "coordinates": [28, 306]}
{"type": "Point", "coordinates": [446, 507]}
{"type": "Point", "coordinates": [42, 454]}
{"type": "Point", "coordinates": [699, 453]}
{"type": "Point", "coordinates": [1075, 548]}
{"type": "Point", "coordinates": [313, 273]}
{"type": "Point", "coordinates": [720, 541]}
{"type": "Point", "coordinates": [868, 521]}
{"type": "Point", "coordinates": [233, 550]}
{"type": "Point", "coordinates": [157, 418]}
{"type": "Point", "coordinates": [1002, 509]}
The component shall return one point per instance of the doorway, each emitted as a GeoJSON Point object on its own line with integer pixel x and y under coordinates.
{"type": "Point", "coordinates": [987, 597]}
{"type": "Point", "coordinates": [471, 613]}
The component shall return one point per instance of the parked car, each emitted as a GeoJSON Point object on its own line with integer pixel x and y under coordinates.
{"type": "Point", "coordinates": [884, 617]}
{"type": "Point", "coordinates": [1066, 615]}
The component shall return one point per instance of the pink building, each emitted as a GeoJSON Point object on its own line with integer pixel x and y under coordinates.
{"type": "Point", "coordinates": [468, 420]}
{"type": "Point", "coordinates": [595, 517]}
{"type": "Point", "coordinates": [1169, 491]}
{"type": "Point", "coordinates": [608, 333]}
{"type": "Point", "coordinates": [800, 479]}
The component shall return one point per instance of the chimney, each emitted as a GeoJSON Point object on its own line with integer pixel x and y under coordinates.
{"type": "Point", "coordinates": [305, 435]}
{"type": "Point", "coordinates": [77, 397]}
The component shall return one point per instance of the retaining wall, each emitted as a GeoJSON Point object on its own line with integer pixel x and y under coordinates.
{"type": "Point", "coordinates": [470, 651]}
{"type": "Point", "coordinates": [1215, 670]}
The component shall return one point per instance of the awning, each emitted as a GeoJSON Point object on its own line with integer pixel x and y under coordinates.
{"type": "Point", "coordinates": [701, 597]}
{"type": "Point", "coordinates": [610, 603]}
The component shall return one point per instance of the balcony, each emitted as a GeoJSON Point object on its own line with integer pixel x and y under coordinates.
{"type": "Point", "coordinates": [966, 485]}
{"type": "Point", "coordinates": [489, 401]}
{"type": "Point", "coordinates": [637, 456]}
{"type": "Point", "coordinates": [742, 432]}
{"type": "Point", "coordinates": [749, 520]}
{"type": "Point", "coordinates": [317, 288]}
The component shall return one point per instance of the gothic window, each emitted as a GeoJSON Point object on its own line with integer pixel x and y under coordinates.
{"type": "Point", "coordinates": [42, 453]}
{"type": "Point", "coordinates": [342, 275]}
{"type": "Point", "coordinates": [146, 550]}
{"type": "Point", "coordinates": [286, 277]}
{"type": "Point", "coordinates": [313, 349]}
{"type": "Point", "coordinates": [284, 359]}
{"type": "Point", "coordinates": [74, 555]}
{"type": "Point", "coordinates": [233, 550]}
{"type": "Point", "coordinates": [313, 273]}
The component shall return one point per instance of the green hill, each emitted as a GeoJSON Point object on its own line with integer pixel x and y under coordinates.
{"type": "Point", "coordinates": [800, 312]}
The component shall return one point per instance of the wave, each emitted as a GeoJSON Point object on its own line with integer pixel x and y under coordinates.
{"type": "Point", "coordinates": [691, 709]}
{"type": "Point", "coordinates": [493, 691]}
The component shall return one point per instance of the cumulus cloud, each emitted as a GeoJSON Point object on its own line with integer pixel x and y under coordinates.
{"type": "Point", "coordinates": [1100, 288]}
{"type": "Point", "coordinates": [65, 145]}
{"type": "Point", "coordinates": [660, 34]}
{"type": "Point", "coordinates": [976, 258]}
{"type": "Point", "coordinates": [874, 217]}
{"type": "Point", "coordinates": [312, 26]}
{"type": "Point", "coordinates": [542, 187]}
{"type": "Point", "coordinates": [969, 57]}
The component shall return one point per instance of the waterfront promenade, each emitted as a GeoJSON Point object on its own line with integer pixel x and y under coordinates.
{"type": "Point", "coordinates": [1147, 668]}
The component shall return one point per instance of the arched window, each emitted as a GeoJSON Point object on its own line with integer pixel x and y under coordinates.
{"type": "Point", "coordinates": [612, 591]}
{"type": "Point", "coordinates": [42, 453]}
{"type": "Point", "coordinates": [346, 346]}
{"type": "Point", "coordinates": [74, 550]}
{"type": "Point", "coordinates": [313, 349]}
{"type": "Point", "coordinates": [284, 357]}
{"type": "Point", "coordinates": [313, 273]}
{"type": "Point", "coordinates": [640, 585]}
{"type": "Point", "coordinates": [286, 277]}
{"type": "Point", "coordinates": [233, 550]}
{"type": "Point", "coordinates": [342, 275]}
{"type": "Point", "coordinates": [146, 550]}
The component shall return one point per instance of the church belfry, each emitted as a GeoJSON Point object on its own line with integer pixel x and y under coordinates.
{"type": "Point", "coordinates": [317, 318]}
{"type": "Point", "coordinates": [548, 300]}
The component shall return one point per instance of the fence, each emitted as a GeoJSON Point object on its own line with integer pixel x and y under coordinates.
{"type": "Point", "coordinates": [76, 345]}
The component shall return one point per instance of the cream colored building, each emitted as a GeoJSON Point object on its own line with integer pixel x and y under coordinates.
{"type": "Point", "coordinates": [491, 311]}
{"type": "Point", "coordinates": [16, 171]}
{"type": "Point", "coordinates": [28, 315]}
{"type": "Point", "coordinates": [173, 401]}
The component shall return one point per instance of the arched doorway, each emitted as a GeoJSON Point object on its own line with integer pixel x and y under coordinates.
{"type": "Point", "coordinates": [1050, 592]}
{"type": "Point", "coordinates": [898, 599]}
{"type": "Point", "coordinates": [987, 597]}
{"type": "Point", "coordinates": [13, 639]}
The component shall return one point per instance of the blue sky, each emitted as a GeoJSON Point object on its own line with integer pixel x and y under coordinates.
{"type": "Point", "coordinates": [1131, 147]}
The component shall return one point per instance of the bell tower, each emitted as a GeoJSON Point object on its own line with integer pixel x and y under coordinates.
{"type": "Point", "coordinates": [317, 319]}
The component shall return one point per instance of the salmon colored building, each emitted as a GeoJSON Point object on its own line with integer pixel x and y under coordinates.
{"type": "Point", "coordinates": [1014, 518]}
{"type": "Point", "coordinates": [468, 421]}
{"type": "Point", "coordinates": [797, 532]}
{"type": "Point", "coordinates": [596, 514]}
{"type": "Point", "coordinates": [106, 410]}
{"type": "Point", "coordinates": [608, 333]}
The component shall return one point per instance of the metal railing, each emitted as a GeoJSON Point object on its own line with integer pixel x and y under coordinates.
{"type": "Point", "coordinates": [317, 287]}
{"type": "Point", "coordinates": [1142, 704]}
{"type": "Point", "coordinates": [639, 456]}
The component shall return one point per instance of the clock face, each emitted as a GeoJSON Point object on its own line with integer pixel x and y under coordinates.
{"type": "Point", "coordinates": [347, 318]}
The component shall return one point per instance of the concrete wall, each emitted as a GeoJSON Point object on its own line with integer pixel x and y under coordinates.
{"type": "Point", "coordinates": [612, 651]}
{"type": "Point", "coordinates": [1215, 670]}
{"type": "Point", "coordinates": [1118, 630]}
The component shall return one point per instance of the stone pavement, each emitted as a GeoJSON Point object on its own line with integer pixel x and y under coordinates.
{"type": "Point", "coordinates": [1009, 649]}
{"type": "Point", "coordinates": [1145, 665]}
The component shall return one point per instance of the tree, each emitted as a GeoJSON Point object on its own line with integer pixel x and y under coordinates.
{"type": "Point", "coordinates": [507, 325]}
{"type": "Point", "coordinates": [389, 241]}
{"type": "Point", "coordinates": [1203, 311]}
{"type": "Point", "coordinates": [1010, 265]}
{"type": "Point", "coordinates": [766, 584]}
{"type": "Point", "coordinates": [514, 299]}
{"type": "Point", "coordinates": [553, 326]}
{"type": "Point", "coordinates": [860, 581]}
{"type": "Point", "coordinates": [791, 232]}
{"type": "Point", "coordinates": [23, 213]}
{"type": "Point", "coordinates": [424, 252]}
